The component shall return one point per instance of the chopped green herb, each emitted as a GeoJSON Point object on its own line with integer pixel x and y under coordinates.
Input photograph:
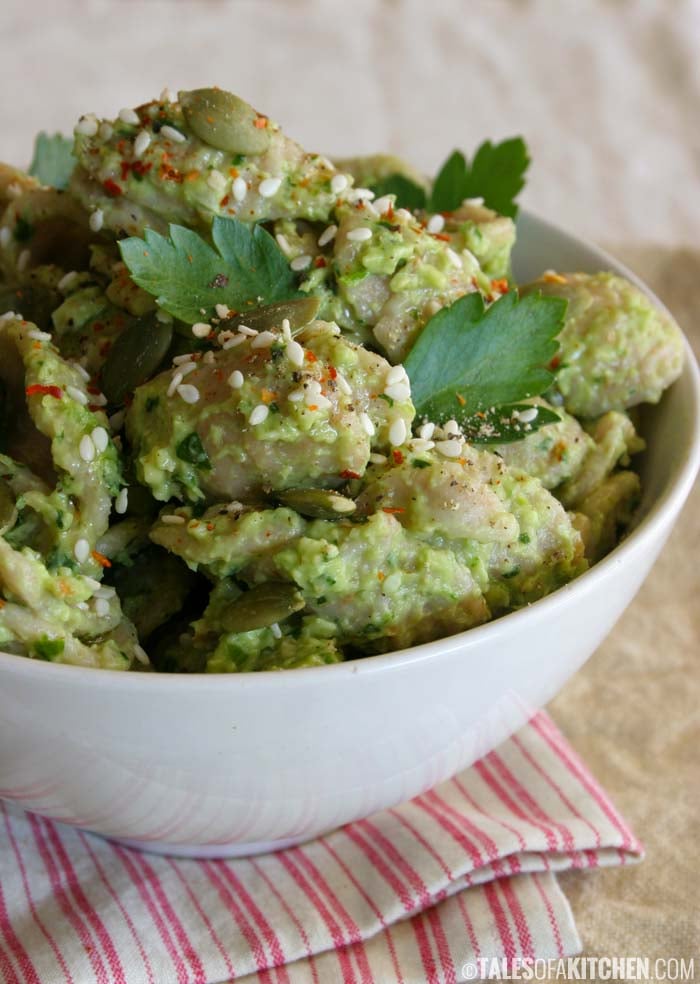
{"type": "Point", "coordinates": [192, 450]}
{"type": "Point", "coordinates": [496, 174]}
{"type": "Point", "coordinates": [48, 649]}
{"type": "Point", "coordinates": [420, 463]}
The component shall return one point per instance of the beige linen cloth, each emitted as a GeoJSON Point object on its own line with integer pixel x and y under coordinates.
{"type": "Point", "coordinates": [607, 95]}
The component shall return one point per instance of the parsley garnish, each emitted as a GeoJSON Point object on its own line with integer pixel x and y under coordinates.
{"type": "Point", "coordinates": [47, 648]}
{"type": "Point", "coordinates": [496, 174]}
{"type": "Point", "coordinates": [188, 277]}
{"type": "Point", "coordinates": [192, 450]}
{"type": "Point", "coordinates": [53, 161]}
{"type": "Point", "coordinates": [472, 363]}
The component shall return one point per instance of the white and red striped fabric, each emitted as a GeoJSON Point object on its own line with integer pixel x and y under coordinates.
{"type": "Point", "coordinates": [410, 895]}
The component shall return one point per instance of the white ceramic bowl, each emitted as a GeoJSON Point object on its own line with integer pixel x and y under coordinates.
{"type": "Point", "coordinates": [225, 765]}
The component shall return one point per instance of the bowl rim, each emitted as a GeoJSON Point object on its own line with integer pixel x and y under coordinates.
{"type": "Point", "coordinates": [666, 506]}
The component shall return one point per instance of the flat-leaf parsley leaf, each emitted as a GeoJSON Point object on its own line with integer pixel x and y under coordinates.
{"type": "Point", "coordinates": [469, 360]}
{"type": "Point", "coordinates": [52, 161]}
{"type": "Point", "coordinates": [244, 269]}
{"type": "Point", "coordinates": [496, 174]}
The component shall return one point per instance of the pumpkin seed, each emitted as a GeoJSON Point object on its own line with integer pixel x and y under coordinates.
{"type": "Point", "coordinates": [224, 121]}
{"type": "Point", "coordinates": [317, 503]}
{"type": "Point", "coordinates": [298, 312]}
{"type": "Point", "coordinates": [8, 509]}
{"type": "Point", "coordinates": [263, 605]}
{"type": "Point", "coordinates": [134, 358]}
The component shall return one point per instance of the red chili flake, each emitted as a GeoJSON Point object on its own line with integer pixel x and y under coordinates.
{"type": "Point", "coordinates": [94, 390]}
{"type": "Point", "coordinates": [501, 285]}
{"type": "Point", "coordinates": [380, 575]}
{"type": "Point", "coordinates": [555, 363]}
{"type": "Point", "coordinates": [98, 326]}
{"type": "Point", "coordinates": [126, 167]}
{"type": "Point", "coordinates": [461, 400]}
{"type": "Point", "coordinates": [312, 406]}
{"type": "Point", "coordinates": [140, 168]}
{"type": "Point", "coordinates": [101, 559]}
{"type": "Point", "coordinates": [224, 201]}
{"type": "Point", "coordinates": [310, 357]}
{"type": "Point", "coordinates": [397, 456]}
{"type": "Point", "coordinates": [210, 527]}
{"type": "Point", "coordinates": [260, 122]}
{"type": "Point", "coordinates": [441, 235]}
{"type": "Point", "coordinates": [112, 188]}
{"type": "Point", "coordinates": [348, 474]}
{"type": "Point", "coordinates": [37, 390]}
{"type": "Point", "coordinates": [393, 510]}
{"type": "Point", "coordinates": [320, 262]}
{"type": "Point", "coordinates": [332, 372]}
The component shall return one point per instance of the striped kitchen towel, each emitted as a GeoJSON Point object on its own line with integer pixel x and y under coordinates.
{"type": "Point", "coordinates": [414, 894]}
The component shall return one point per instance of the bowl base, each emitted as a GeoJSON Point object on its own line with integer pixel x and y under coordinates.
{"type": "Point", "coordinates": [209, 852]}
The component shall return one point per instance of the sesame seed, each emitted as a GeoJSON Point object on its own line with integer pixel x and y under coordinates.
{"type": "Point", "coordinates": [173, 520]}
{"type": "Point", "coordinates": [398, 391]}
{"type": "Point", "coordinates": [527, 416]}
{"type": "Point", "coordinates": [181, 359]}
{"type": "Point", "coordinates": [276, 630]}
{"type": "Point", "coordinates": [39, 336]}
{"type": "Point", "coordinates": [327, 235]}
{"type": "Point", "coordinates": [263, 339]}
{"type": "Point", "coordinates": [436, 223]}
{"type": "Point", "coordinates": [240, 189]}
{"type": "Point", "coordinates": [222, 310]}
{"type": "Point", "coordinates": [404, 215]}
{"type": "Point", "coordinates": [105, 131]}
{"type": "Point", "coordinates": [167, 95]}
{"type": "Point", "coordinates": [216, 180]}
{"type": "Point", "coordinates": [186, 368]}
{"type": "Point", "coordinates": [174, 383]}
{"type": "Point", "coordinates": [141, 142]}
{"type": "Point", "coordinates": [360, 235]}
{"type": "Point", "coordinates": [101, 607]}
{"type": "Point", "coordinates": [339, 182]}
{"type": "Point", "coordinates": [398, 432]}
{"type": "Point", "coordinates": [66, 280]}
{"type": "Point", "coordinates": [121, 503]}
{"type": "Point", "coordinates": [245, 330]}
{"type": "Point", "coordinates": [100, 438]}
{"type": "Point", "coordinates": [86, 448]}
{"type": "Point", "coordinates": [384, 204]}
{"type": "Point", "coordinates": [82, 606]}
{"type": "Point", "coordinates": [82, 371]}
{"type": "Point", "coordinates": [235, 380]}
{"type": "Point", "coordinates": [300, 262]}
{"type": "Point", "coordinates": [418, 444]}
{"type": "Point", "coordinates": [283, 243]}
{"type": "Point", "coordinates": [233, 342]}
{"type": "Point", "coordinates": [259, 414]}
{"type": "Point", "coordinates": [296, 396]}
{"type": "Point", "coordinates": [87, 125]}
{"type": "Point", "coordinates": [208, 358]}
{"type": "Point", "coordinates": [105, 591]}
{"type": "Point", "coordinates": [129, 116]}
{"type": "Point", "coordinates": [77, 395]}
{"type": "Point", "coordinates": [81, 550]}
{"type": "Point", "coordinates": [449, 449]}
{"type": "Point", "coordinates": [378, 459]}
{"type": "Point", "coordinates": [313, 387]}
{"type": "Point", "coordinates": [164, 317]}
{"type": "Point", "coordinates": [426, 431]}
{"type": "Point", "coordinates": [322, 403]}
{"type": "Point", "coordinates": [98, 399]}
{"type": "Point", "coordinates": [295, 353]}
{"type": "Point", "coordinates": [5, 237]}
{"type": "Point", "coordinates": [269, 187]}
{"type": "Point", "coordinates": [170, 133]}
{"type": "Point", "coordinates": [343, 384]}
{"type": "Point", "coordinates": [395, 375]}
{"type": "Point", "coordinates": [367, 424]}
{"type": "Point", "coordinates": [23, 260]}
{"type": "Point", "coordinates": [187, 392]}
{"type": "Point", "coordinates": [91, 583]}
{"type": "Point", "coordinates": [453, 258]}
{"type": "Point", "coordinates": [201, 329]}
{"type": "Point", "coordinates": [451, 427]}
{"type": "Point", "coordinates": [361, 195]}
{"type": "Point", "coordinates": [96, 220]}
{"type": "Point", "coordinates": [286, 328]}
